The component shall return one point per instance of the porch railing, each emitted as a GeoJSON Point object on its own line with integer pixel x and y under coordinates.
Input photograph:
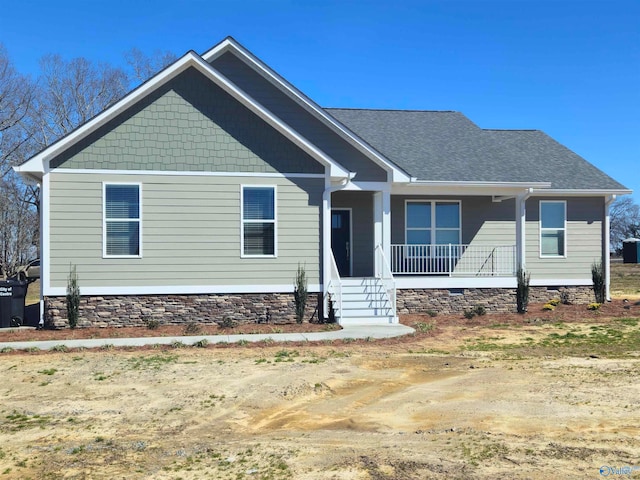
{"type": "Point", "coordinates": [334, 288]}
{"type": "Point", "coordinates": [384, 273]}
{"type": "Point", "coordinates": [453, 259]}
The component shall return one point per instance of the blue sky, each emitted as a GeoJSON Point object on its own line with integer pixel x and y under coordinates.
{"type": "Point", "coordinates": [568, 67]}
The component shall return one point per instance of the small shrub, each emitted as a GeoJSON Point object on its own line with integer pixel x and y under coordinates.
{"type": "Point", "coordinates": [424, 327]}
{"type": "Point", "coordinates": [73, 297]}
{"type": "Point", "coordinates": [201, 343]}
{"type": "Point", "coordinates": [192, 329]}
{"type": "Point", "coordinates": [549, 307]}
{"type": "Point", "coordinates": [565, 297]}
{"type": "Point", "coordinates": [228, 322]}
{"type": "Point", "coordinates": [59, 348]}
{"type": "Point", "coordinates": [594, 306]}
{"type": "Point", "coordinates": [480, 310]}
{"type": "Point", "coordinates": [151, 323]}
{"type": "Point", "coordinates": [469, 314]}
{"type": "Point", "coordinates": [522, 291]}
{"type": "Point", "coordinates": [432, 313]}
{"type": "Point", "coordinates": [599, 287]}
{"type": "Point", "coordinates": [554, 301]}
{"type": "Point", "coordinates": [300, 293]}
{"type": "Point", "coordinates": [177, 344]}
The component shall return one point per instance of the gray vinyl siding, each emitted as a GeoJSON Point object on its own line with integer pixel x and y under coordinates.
{"type": "Point", "coordinates": [584, 239]}
{"type": "Point", "coordinates": [190, 232]}
{"type": "Point", "coordinates": [189, 124]}
{"type": "Point", "coordinates": [483, 221]}
{"type": "Point", "coordinates": [298, 118]}
{"type": "Point", "coordinates": [361, 205]}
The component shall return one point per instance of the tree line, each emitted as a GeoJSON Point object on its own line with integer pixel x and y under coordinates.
{"type": "Point", "coordinates": [35, 112]}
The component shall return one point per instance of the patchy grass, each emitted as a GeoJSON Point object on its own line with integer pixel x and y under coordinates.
{"type": "Point", "coordinates": [625, 280]}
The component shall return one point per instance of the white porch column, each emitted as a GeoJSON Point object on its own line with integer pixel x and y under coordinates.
{"type": "Point", "coordinates": [382, 224]}
{"type": "Point", "coordinates": [326, 236]}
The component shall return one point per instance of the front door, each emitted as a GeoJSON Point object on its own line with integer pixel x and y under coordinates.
{"type": "Point", "coordinates": [341, 240]}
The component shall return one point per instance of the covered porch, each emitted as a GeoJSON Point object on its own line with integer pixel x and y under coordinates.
{"type": "Point", "coordinates": [426, 235]}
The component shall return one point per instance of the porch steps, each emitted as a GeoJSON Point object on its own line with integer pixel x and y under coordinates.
{"type": "Point", "coordinates": [365, 302]}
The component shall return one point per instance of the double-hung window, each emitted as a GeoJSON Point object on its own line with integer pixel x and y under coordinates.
{"type": "Point", "coordinates": [432, 222]}
{"type": "Point", "coordinates": [258, 236]}
{"type": "Point", "coordinates": [121, 228]}
{"type": "Point", "coordinates": [553, 228]}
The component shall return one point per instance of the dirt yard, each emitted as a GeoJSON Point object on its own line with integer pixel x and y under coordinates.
{"type": "Point", "coordinates": [488, 397]}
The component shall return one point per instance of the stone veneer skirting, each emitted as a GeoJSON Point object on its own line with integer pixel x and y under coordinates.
{"type": "Point", "coordinates": [444, 301]}
{"type": "Point", "coordinates": [137, 310]}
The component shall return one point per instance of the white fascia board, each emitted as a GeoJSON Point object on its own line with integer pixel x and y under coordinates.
{"type": "Point", "coordinates": [437, 282]}
{"type": "Point", "coordinates": [36, 164]}
{"type": "Point", "coordinates": [561, 282]}
{"type": "Point", "coordinates": [178, 290]}
{"type": "Point", "coordinates": [461, 188]}
{"type": "Point", "coordinates": [578, 193]}
{"type": "Point", "coordinates": [231, 45]}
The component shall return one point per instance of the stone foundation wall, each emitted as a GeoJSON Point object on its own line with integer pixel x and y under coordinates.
{"type": "Point", "coordinates": [136, 310]}
{"type": "Point", "coordinates": [445, 301]}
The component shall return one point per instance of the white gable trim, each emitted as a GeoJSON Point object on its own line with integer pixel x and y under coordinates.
{"type": "Point", "coordinates": [229, 44]}
{"type": "Point", "coordinates": [37, 163]}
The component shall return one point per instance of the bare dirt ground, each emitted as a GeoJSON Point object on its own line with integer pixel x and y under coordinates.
{"type": "Point", "coordinates": [537, 397]}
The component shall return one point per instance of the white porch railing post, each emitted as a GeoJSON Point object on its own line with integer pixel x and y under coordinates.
{"type": "Point", "coordinates": [452, 259]}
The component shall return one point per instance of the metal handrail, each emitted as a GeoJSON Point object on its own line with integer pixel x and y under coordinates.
{"type": "Point", "coordinates": [384, 273]}
{"type": "Point", "coordinates": [335, 283]}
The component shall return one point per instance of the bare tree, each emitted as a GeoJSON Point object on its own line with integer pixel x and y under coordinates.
{"type": "Point", "coordinates": [625, 221]}
{"type": "Point", "coordinates": [16, 99]}
{"type": "Point", "coordinates": [144, 66]}
{"type": "Point", "coordinates": [18, 227]}
{"type": "Point", "coordinates": [72, 92]}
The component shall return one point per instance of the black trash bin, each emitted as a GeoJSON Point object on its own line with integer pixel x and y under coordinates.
{"type": "Point", "coordinates": [631, 250]}
{"type": "Point", "coordinates": [12, 297]}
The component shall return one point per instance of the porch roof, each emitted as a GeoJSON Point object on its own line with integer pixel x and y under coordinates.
{"type": "Point", "coordinates": [446, 146]}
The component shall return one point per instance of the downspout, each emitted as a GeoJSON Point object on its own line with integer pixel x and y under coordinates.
{"type": "Point", "coordinates": [607, 245]}
{"type": "Point", "coordinates": [521, 221]}
{"type": "Point", "coordinates": [326, 227]}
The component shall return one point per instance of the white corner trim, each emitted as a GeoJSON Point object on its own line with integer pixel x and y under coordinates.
{"type": "Point", "coordinates": [178, 290]}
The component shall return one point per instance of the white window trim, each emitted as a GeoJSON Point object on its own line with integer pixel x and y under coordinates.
{"type": "Point", "coordinates": [432, 229]}
{"type": "Point", "coordinates": [540, 229]}
{"type": "Point", "coordinates": [104, 219]}
{"type": "Point", "coordinates": [274, 221]}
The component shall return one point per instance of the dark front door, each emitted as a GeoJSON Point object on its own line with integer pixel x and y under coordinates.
{"type": "Point", "coordinates": [341, 240]}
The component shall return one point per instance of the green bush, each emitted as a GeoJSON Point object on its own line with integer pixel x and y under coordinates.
{"type": "Point", "coordinates": [522, 291]}
{"type": "Point", "coordinates": [300, 293]}
{"type": "Point", "coordinates": [73, 297]}
{"type": "Point", "coordinates": [469, 314]}
{"type": "Point", "coordinates": [599, 287]}
{"type": "Point", "coordinates": [331, 314]}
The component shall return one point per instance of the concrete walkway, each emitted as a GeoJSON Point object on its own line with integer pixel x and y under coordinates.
{"type": "Point", "coordinates": [354, 332]}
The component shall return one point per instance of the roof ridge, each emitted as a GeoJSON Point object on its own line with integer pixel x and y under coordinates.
{"type": "Point", "coordinates": [390, 110]}
{"type": "Point", "coordinates": [511, 130]}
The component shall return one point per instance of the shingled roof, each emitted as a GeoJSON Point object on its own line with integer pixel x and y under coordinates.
{"type": "Point", "coordinates": [447, 146]}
